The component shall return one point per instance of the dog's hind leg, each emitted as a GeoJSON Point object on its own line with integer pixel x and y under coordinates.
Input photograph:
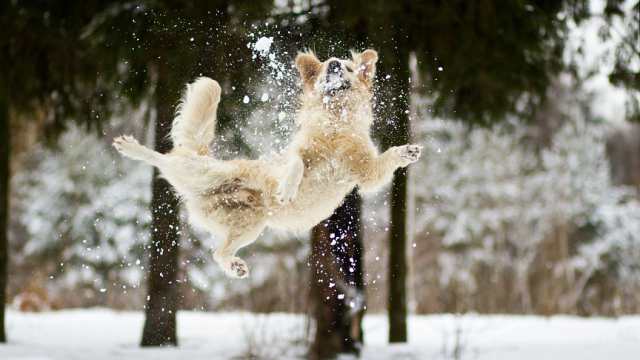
{"type": "Point", "coordinates": [129, 147]}
{"type": "Point", "coordinates": [237, 238]}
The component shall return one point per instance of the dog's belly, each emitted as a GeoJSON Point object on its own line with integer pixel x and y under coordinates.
{"type": "Point", "coordinates": [228, 204]}
{"type": "Point", "coordinates": [321, 191]}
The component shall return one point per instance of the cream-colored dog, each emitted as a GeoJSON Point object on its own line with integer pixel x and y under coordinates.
{"type": "Point", "coordinates": [330, 154]}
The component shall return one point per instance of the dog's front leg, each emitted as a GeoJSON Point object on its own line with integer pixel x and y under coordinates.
{"type": "Point", "coordinates": [288, 187]}
{"type": "Point", "coordinates": [378, 170]}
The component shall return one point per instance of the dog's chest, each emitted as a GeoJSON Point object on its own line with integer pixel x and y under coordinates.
{"type": "Point", "coordinates": [330, 156]}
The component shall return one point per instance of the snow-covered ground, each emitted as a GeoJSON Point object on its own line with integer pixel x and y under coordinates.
{"type": "Point", "coordinates": [105, 334]}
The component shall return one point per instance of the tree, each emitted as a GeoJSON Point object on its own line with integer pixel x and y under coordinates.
{"type": "Point", "coordinates": [398, 134]}
{"type": "Point", "coordinates": [622, 20]}
{"type": "Point", "coordinates": [337, 287]}
{"type": "Point", "coordinates": [99, 245]}
{"type": "Point", "coordinates": [4, 196]}
{"type": "Point", "coordinates": [164, 45]}
{"type": "Point", "coordinates": [69, 60]}
{"type": "Point", "coordinates": [43, 67]}
{"type": "Point", "coordinates": [479, 60]}
{"type": "Point", "coordinates": [162, 300]}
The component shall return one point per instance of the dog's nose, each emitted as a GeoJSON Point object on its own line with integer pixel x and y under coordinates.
{"type": "Point", "coordinates": [334, 67]}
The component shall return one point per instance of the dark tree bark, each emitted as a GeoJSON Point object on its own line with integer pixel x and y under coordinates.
{"type": "Point", "coordinates": [5, 139]}
{"type": "Point", "coordinates": [337, 288]}
{"type": "Point", "coordinates": [162, 300]}
{"type": "Point", "coordinates": [397, 304]}
{"type": "Point", "coordinates": [398, 134]}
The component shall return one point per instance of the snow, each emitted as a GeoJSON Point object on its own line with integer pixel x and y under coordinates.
{"type": "Point", "coordinates": [268, 126]}
{"type": "Point", "coordinates": [106, 334]}
{"type": "Point", "coordinates": [263, 45]}
{"type": "Point", "coordinates": [334, 82]}
{"type": "Point", "coordinates": [93, 191]}
{"type": "Point", "coordinates": [594, 57]}
{"type": "Point", "coordinates": [492, 200]}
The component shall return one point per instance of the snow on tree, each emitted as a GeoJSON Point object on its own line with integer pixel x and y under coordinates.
{"type": "Point", "coordinates": [78, 207]}
{"type": "Point", "coordinates": [493, 199]}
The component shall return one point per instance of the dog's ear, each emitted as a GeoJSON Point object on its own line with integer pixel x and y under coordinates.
{"type": "Point", "coordinates": [366, 65]}
{"type": "Point", "coordinates": [309, 67]}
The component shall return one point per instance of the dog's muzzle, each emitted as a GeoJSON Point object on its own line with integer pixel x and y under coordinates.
{"type": "Point", "coordinates": [334, 80]}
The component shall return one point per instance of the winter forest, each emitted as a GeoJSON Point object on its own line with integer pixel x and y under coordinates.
{"type": "Point", "coordinates": [516, 235]}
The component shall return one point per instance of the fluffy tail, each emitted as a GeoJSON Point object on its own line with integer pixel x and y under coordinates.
{"type": "Point", "coordinates": [195, 123]}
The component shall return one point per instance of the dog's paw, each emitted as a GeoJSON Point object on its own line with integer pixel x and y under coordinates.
{"type": "Point", "coordinates": [237, 268]}
{"type": "Point", "coordinates": [280, 194]}
{"type": "Point", "coordinates": [216, 91]}
{"type": "Point", "coordinates": [288, 187]}
{"type": "Point", "coordinates": [126, 144]}
{"type": "Point", "coordinates": [285, 193]}
{"type": "Point", "coordinates": [409, 153]}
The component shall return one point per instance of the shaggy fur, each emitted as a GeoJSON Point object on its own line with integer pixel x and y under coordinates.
{"type": "Point", "coordinates": [330, 154]}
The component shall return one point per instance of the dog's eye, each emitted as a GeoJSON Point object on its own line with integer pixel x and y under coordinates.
{"type": "Point", "coordinates": [349, 69]}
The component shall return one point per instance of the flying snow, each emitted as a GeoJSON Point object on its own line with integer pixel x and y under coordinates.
{"type": "Point", "coordinates": [334, 82]}
{"type": "Point", "coordinates": [262, 48]}
{"type": "Point", "coordinates": [263, 45]}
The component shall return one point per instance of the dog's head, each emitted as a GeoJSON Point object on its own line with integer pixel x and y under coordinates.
{"type": "Point", "coordinates": [336, 78]}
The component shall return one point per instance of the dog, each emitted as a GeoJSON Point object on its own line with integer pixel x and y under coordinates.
{"type": "Point", "coordinates": [330, 154]}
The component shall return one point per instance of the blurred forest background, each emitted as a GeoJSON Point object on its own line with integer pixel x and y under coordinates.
{"type": "Point", "coordinates": [526, 199]}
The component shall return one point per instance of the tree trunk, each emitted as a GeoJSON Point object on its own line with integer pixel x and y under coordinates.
{"type": "Point", "coordinates": [398, 134]}
{"type": "Point", "coordinates": [162, 300]}
{"type": "Point", "coordinates": [5, 139]}
{"type": "Point", "coordinates": [337, 288]}
{"type": "Point", "coordinates": [397, 259]}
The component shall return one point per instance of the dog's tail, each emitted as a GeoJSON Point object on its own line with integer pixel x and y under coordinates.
{"type": "Point", "coordinates": [195, 123]}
